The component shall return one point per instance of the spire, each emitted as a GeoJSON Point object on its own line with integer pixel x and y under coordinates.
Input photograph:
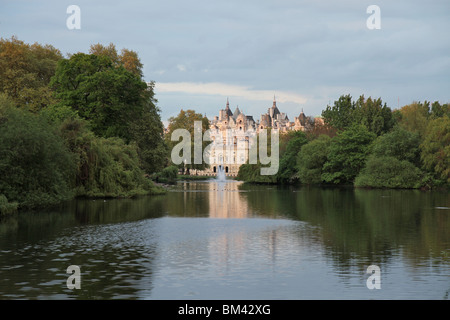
{"type": "Point", "coordinates": [227, 109]}
{"type": "Point", "coordinates": [274, 102]}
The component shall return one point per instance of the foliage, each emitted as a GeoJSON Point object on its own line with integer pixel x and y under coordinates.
{"type": "Point", "coordinates": [109, 97]}
{"type": "Point", "coordinates": [414, 117]}
{"type": "Point", "coordinates": [252, 173]}
{"type": "Point", "coordinates": [57, 113]}
{"type": "Point", "coordinates": [435, 148]}
{"type": "Point", "coordinates": [129, 59]}
{"type": "Point", "coordinates": [25, 72]}
{"type": "Point", "coordinates": [438, 110]}
{"type": "Point", "coordinates": [347, 155]}
{"type": "Point", "coordinates": [185, 120]}
{"type": "Point", "coordinates": [400, 144]}
{"type": "Point", "coordinates": [36, 168]}
{"type": "Point", "coordinates": [389, 172]}
{"type": "Point", "coordinates": [374, 115]}
{"type": "Point", "coordinates": [105, 166]}
{"type": "Point", "coordinates": [168, 174]}
{"type": "Point", "coordinates": [7, 207]}
{"type": "Point", "coordinates": [311, 158]}
{"type": "Point", "coordinates": [340, 115]}
{"type": "Point", "coordinates": [148, 134]}
{"type": "Point", "coordinates": [287, 172]}
{"type": "Point", "coordinates": [321, 129]}
{"type": "Point", "coordinates": [116, 101]}
{"type": "Point", "coordinates": [369, 112]}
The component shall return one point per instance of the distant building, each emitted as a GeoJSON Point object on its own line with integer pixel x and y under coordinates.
{"type": "Point", "coordinates": [233, 132]}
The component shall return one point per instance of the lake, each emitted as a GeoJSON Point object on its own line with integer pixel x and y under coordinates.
{"type": "Point", "coordinates": [229, 240]}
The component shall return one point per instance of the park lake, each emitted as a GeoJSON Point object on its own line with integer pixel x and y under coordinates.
{"type": "Point", "coordinates": [216, 239]}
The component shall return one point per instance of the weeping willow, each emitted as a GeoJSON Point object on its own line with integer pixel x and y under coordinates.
{"type": "Point", "coordinates": [106, 167]}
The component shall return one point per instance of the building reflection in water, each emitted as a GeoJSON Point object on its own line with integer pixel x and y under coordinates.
{"type": "Point", "coordinates": [241, 240]}
{"type": "Point", "coordinates": [226, 200]}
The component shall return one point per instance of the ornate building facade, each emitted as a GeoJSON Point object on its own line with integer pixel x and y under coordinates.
{"type": "Point", "coordinates": [232, 134]}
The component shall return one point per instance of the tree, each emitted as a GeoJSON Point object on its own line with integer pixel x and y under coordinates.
{"type": "Point", "coordinates": [36, 167]}
{"type": "Point", "coordinates": [369, 112]}
{"type": "Point", "coordinates": [25, 72]}
{"type": "Point", "coordinates": [252, 172]}
{"type": "Point", "coordinates": [347, 155]}
{"type": "Point", "coordinates": [435, 148]}
{"type": "Point", "coordinates": [128, 59]}
{"type": "Point", "coordinates": [105, 166]}
{"type": "Point", "coordinates": [373, 114]}
{"type": "Point", "coordinates": [148, 133]}
{"type": "Point", "coordinates": [109, 51]}
{"type": "Point", "coordinates": [111, 98]}
{"type": "Point", "coordinates": [146, 129]}
{"type": "Point", "coordinates": [438, 110]}
{"type": "Point", "coordinates": [287, 170]}
{"type": "Point", "coordinates": [186, 120]}
{"type": "Point", "coordinates": [311, 158]}
{"type": "Point", "coordinates": [340, 115]}
{"type": "Point", "coordinates": [389, 172]}
{"type": "Point", "coordinates": [400, 144]}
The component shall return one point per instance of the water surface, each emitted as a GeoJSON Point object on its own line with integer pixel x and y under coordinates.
{"type": "Point", "coordinates": [213, 240]}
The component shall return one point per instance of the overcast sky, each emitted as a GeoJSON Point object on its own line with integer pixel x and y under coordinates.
{"type": "Point", "coordinates": [306, 53]}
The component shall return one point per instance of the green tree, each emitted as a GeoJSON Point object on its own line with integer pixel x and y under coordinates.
{"type": "Point", "coordinates": [369, 112]}
{"type": "Point", "coordinates": [251, 172]}
{"type": "Point", "coordinates": [148, 133]}
{"type": "Point", "coordinates": [435, 148]}
{"type": "Point", "coordinates": [105, 166]}
{"type": "Point", "coordinates": [111, 98]}
{"type": "Point", "coordinates": [287, 171]}
{"type": "Point", "coordinates": [311, 158]}
{"type": "Point", "coordinates": [340, 115]}
{"type": "Point", "coordinates": [36, 167]}
{"type": "Point", "coordinates": [373, 114]}
{"type": "Point", "coordinates": [439, 110]}
{"type": "Point", "coordinates": [186, 120]}
{"type": "Point", "coordinates": [389, 172]}
{"type": "Point", "coordinates": [400, 144]}
{"type": "Point", "coordinates": [347, 155]}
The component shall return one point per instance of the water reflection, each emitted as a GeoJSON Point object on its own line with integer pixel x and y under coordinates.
{"type": "Point", "coordinates": [222, 240]}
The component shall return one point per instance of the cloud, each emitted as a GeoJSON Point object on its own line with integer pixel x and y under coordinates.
{"type": "Point", "coordinates": [227, 90]}
{"type": "Point", "coordinates": [181, 67]}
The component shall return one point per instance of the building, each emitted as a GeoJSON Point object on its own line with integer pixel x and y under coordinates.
{"type": "Point", "coordinates": [233, 133]}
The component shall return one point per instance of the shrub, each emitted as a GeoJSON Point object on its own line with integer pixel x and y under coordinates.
{"type": "Point", "coordinates": [36, 167]}
{"type": "Point", "coordinates": [5, 206]}
{"type": "Point", "coordinates": [389, 172]}
{"type": "Point", "coordinates": [311, 159]}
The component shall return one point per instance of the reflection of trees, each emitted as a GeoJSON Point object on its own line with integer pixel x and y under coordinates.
{"type": "Point", "coordinates": [114, 250]}
{"type": "Point", "coordinates": [363, 226]}
{"type": "Point", "coordinates": [190, 199]}
{"type": "Point", "coordinates": [409, 218]}
{"type": "Point", "coordinates": [117, 210]}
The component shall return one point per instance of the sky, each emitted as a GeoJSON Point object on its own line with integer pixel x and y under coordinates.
{"type": "Point", "coordinates": [305, 53]}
